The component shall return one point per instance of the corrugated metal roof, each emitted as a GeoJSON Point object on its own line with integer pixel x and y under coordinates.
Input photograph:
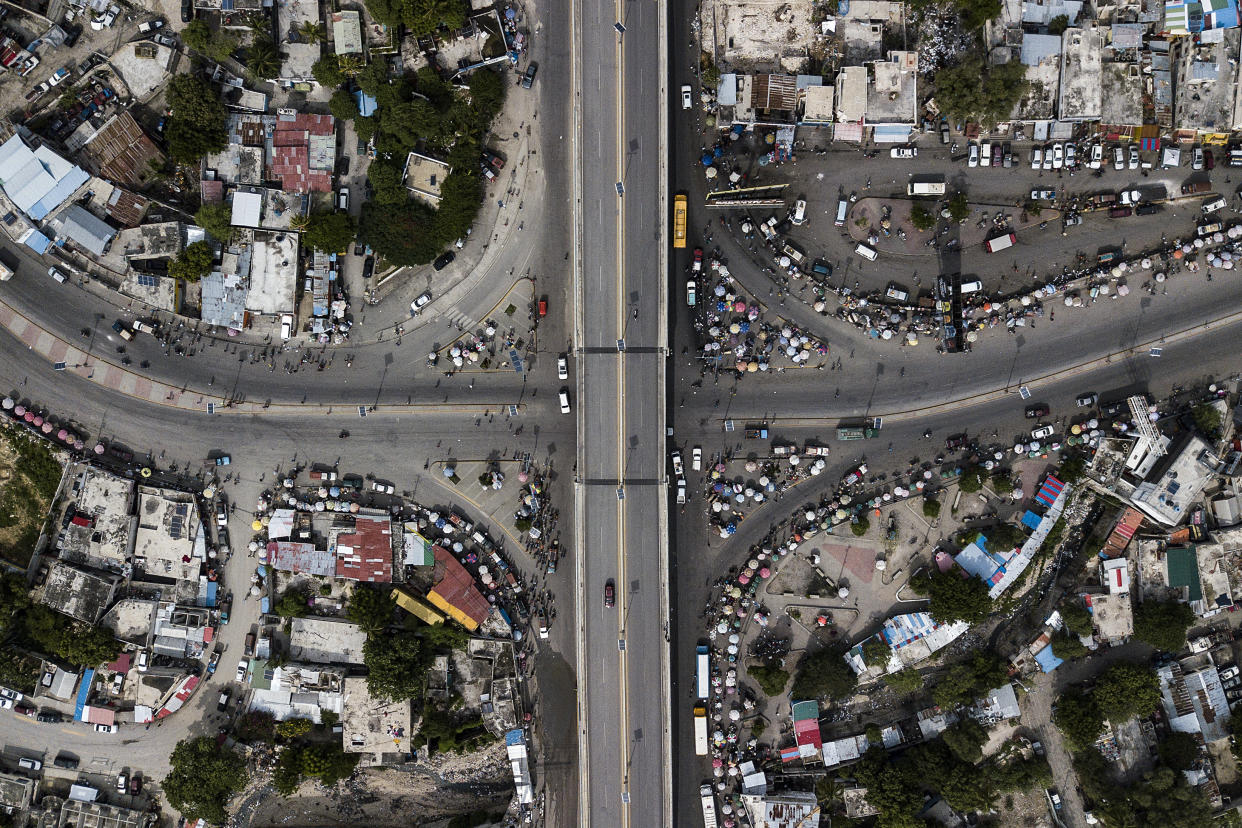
{"type": "Point", "coordinates": [85, 229]}
{"type": "Point", "coordinates": [1182, 567]}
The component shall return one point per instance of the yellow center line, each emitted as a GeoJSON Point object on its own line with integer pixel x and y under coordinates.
{"type": "Point", "coordinates": [621, 442]}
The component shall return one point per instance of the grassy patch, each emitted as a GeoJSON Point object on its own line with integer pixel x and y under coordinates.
{"type": "Point", "coordinates": [29, 476]}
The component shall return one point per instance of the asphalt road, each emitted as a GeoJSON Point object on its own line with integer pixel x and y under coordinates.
{"type": "Point", "coordinates": [619, 397]}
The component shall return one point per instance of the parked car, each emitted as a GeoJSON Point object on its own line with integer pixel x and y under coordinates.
{"type": "Point", "coordinates": [286, 326]}
{"type": "Point", "coordinates": [444, 260]}
{"type": "Point", "coordinates": [58, 76]}
{"type": "Point", "coordinates": [66, 760]}
{"type": "Point", "coordinates": [47, 715]}
{"type": "Point", "coordinates": [610, 594]}
{"type": "Point", "coordinates": [56, 274]}
{"type": "Point", "coordinates": [1119, 159]}
{"type": "Point", "coordinates": [143, 660]}
{"type": "Point", "coordinates": [420, 302]}
{"type": "Point", "coordinates": [563, 396]}
{"type": "Point", "coordinates": [381, 487]}
{"type": "Point", "coordinates": [1196, 159]}
{"type": "Point", "coordinates": [29, 764]}
{"type": "Point", "coordinates": [903, 152]}
{"type": "Point", "coordinates": [135, 784]}
{"type": "Point", "coordinates": [1209, 160]}
{"type": "Point", "coordinates": [187, 11]}
{"type": "Point", "coordinates": [1034, 412]}
{"type": "Point", "coordinates": [687, 97]}
{"type": "Point", "coordinates": [35, 93]}
{"type": "Point", "coordinates": [973, 160]}
{"type": "Point", "coordinates": [122, 783]}
{"type": "Point", "coordinates": [562, 367]}
{"type": "Point", "coordinates": [6, 704]}
{"type": "Point", "coordinates": [1058, 156]}
{"type": "Point", "coordinates": [1146, 209]}
{"type": "Point", "coordinates": [25, 710]}
{"type": "Point", "coordinates": [1070, 159]}
{"type": "Point", "coordinates": [1037, 158]}
{"type": "Point", "coordinates": [1086, 400]}
{"type": "Point", "coordinates": [696, 458]}
{"type": "Point", "coordinates": [1097, 156]}
{"type": "Point", "coordinates": [105, 728]}
{"type": "Point", "coordinates": [222, 703]}
{"type": "Point", "coordinates": [368, 267]}
{"type": "Point", "coordinates": [243, 667]}
{"type": "Point", "coordinates": [1134, 157]}
{"type": "Point", "coordinates": [1040, 432]}
{"type": "Point", "coordinates": [150, 25]}
{"type": "Point", "coordinates": [528, 80]}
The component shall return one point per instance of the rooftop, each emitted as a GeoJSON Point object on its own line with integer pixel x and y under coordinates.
{"type": "Point", "coordinates": [851, 93]}
{"type": "Point", "coordinates": [892, 97]}
{"type": "Point", "coordinates": [346, 32]}
{"type": "Point", "coordinates": [374, 727]}
{"type": "Point", "coordinates": [424, 175]}
{"type": "Point", "coordinates": [78, 593]}
{"type": "Point", "coordinates": [121, 151]}
{"type": "Point", "coordinates": [300, 56]}
{"type": "Point", "coordinates": [300, 557]}
{"type": "Point", "coordinates": [1206, 83]}
{"type": "Point", "coordinates": [758, 34]}
{"type": "Point", "coordinates": [1080, 97]}
{"type": "Point", "coordinates": [455, 592]}
{"type": "Point", "coordinates": [304, 149]}
{"type": "Point", "coordinates": [84, 229]}
{"type": "Point", "coordinates": [1168, 491]}
{"type": "Point", "coordinates": [296, 691]}
{"type": "Point", "coordinates": [366, 553]}
{"type": "Point", "coordinates": [16, 792]}
{"type": "Point", "coordinates": [77, 814]}
{"type": "Point", "coordinates": [105, 539]}
{"type": "Point", "coordinates": [273, 273]}
{"type": "Point", "coordinates": [788, 810]}
{"type": "Point", "coordinates": [1194, 701]}
{"type": "Point", "coordinates": [168, 524]}
{"type": "Point", "coordinates": [181, 632]}
{"type": "Point", "coordinates": [1113, 616]}
{"type": "Point", "coordinates": [326, 641]}
{"type": "Point", "coordinates": [143, 65]}
{"type": "Point", "coordinates": [37, 181]}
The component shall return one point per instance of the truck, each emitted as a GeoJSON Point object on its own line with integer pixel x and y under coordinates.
{"type": "Point", "coordinates": [702, 671]}
{"type": "Point", "coordinates": [791, 250]}
{"type": "Point", "coordinates": [1193, 187]}
{"type": "Point", "coordinates": [680, 208]}
{"type": "Point", "coordinates": [700, 730]}
{"type": "Point", "coordinates": [925, 188]}
{"type": "Point", "coordinates": [757, 431]}
{"type": "Point", "coordinates": [1001, 242]}
{"type": "Point", "coordinates": [857, 433]}
{"type": "Point", "coordinates": [709, 806]}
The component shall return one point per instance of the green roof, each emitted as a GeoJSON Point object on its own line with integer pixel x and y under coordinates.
{"type": "Point", "coordinates": [1183, 570]}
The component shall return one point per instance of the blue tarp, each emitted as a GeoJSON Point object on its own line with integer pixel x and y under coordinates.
{"type": "Point", "coordinates": [88, 678]}
{"type": "Point", "coordinates": [212, 586]}
{"type": "Point", "coordinates": [1031, 520]}
{"type": "Point", "coordinates": [1047, 659]}
{"type": "Point", "coordinates": [366, 104]}
{"type": "Point", "coordinates": [37, 242]}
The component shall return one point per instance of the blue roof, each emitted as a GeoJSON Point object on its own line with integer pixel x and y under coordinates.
{"type": "Point", "coordinates": [37, 242]}
{"type": "Point", "coordinates": [515, 737]}
{"type": "Point", "coordinates": [1048, 660]}
{"type": "Point", "coordinates": [366, 104]}
{"type": "Point", "coordinates": [88, 678]}
{"type": "Point", "coordinates": [1031, 519]}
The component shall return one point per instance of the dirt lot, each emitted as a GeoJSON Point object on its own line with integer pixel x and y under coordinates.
{"type": "Point", "coordinates": [418, 794]}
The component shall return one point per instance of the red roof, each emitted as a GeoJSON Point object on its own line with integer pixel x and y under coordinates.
{"type": "Point", "coordinates": [121, 665]}
{"type": "Point", "coordinates": [369, 555]}
{"type": "Point", "coordinates": [212, 191]}
{"type": "Point", "coordinates": [290, 152]}
{"type": "Point", "coordinates": [456, 586]}
{"type": "Point", "coordinates": [81, 520]}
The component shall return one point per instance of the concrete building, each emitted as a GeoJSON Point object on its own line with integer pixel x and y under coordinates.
{"type": "Point", "coordinates": [78, 593]}
{"type": "Point", "coordinates": [1113, 617]}
{"type": "Point", "coordinates": [16, 792]}
{"type": "Point", "coordinates": [300, 56]}
{"type": "Point", "coordinates": [326, 641]}
{"type": "Point", "coordinates": [1041, 55]}
{"type": "Point", "coordinates": [785, 810]}
{"type": "Point", "coordinates": [892, 95]}
{"type": "Point", "coordinates": [1206, 83]}
{"type": "Point", "coordinates": [346, 32]}
{"type": "Point", "coordinates": [378, 729]}
{"type": "Point", "coordinates": [77, 814]}
{"type": "Point", "coordinates": [164, 544]}
{"type": "Point", "coordinates": [364, 552]}
{"type": "Point", "coordinates": [1080, 97]}
{"type": "Point", "coordinates": [101, 530]}
{"type": "Point", "coordinates": [515, 747]}
{"type": "Point", "coordinates": [273, 274]}
{"type": "Point", "coordinates": [181, 632]}
{"type": "Point", "coordinates": [293, 691]}
{"type": "Point", "coordinates": [1176, 481]}
{"type": "Point", "coordinates": [424, 176]}
{"type": "Point", "coordinates": [851, 87]}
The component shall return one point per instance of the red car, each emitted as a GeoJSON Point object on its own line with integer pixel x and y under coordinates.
{"type": "Point", "coordinates": [698, 259]}
{"type": "Point", "coordinates": [543, 307]}
{"type": "Point", "coordinates": [25, 710]}
{"type": "Point", "coordinates": [610, 594]}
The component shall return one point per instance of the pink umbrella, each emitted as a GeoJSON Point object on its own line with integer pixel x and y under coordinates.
{"type": "Point", "coordinates": [99, 449]}
{"type": "Point", "coordinates": [47, 428]}
{"type": "Point", "coordinates": [19, 410]}
{"type": "Point", "coordinates": [38, 421]}
{"type": "Point", "coordinates": [717, 763]}
{"type": "Point", "coordinates": [77, 444]}
{"type": "Point", "coordinates": [62, 434]}
{"type": "Point", "coordinates": [738, 307]}
{"type": "Point", "coordinates": [765, 572]}
{"type": "Point", "coordinates": [28, 416]}
{"type": "Point", "coordinates": [743, 579]}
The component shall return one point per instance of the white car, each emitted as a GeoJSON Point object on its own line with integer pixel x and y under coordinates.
{"type": "Point", "coordinates": [1119, 159]}
{"type": "Point", "coordinates": [6, 704]}
{"type": "Point", "coordinates": [418, 304]}
{"type": "Point", "coordinates": [1196, 159]}
{"type": "Point", "coordinates": [382, 488]}
{"type": "Point", "coordinates": [562, 367]}
{"type": "Point", "coordinates": [101, 22]}
{"type": "Point", "coordinates": [696, 458]}
{"type": "Point", "coordinates": [286, 325]}
{"type": "Point", "coordinates": [678, 469]}
{"type": "Point", "coordinates": [564, 398]}
{"type": "Point", "coordinates": [1058, 156]}
{"type": "Point", "coordinates": [142, 661]}
{"type": "Point", "coordinates": [1041, 432]}
{"type": "Point", "coordinates": [56, 274]}
{"type": "Point", "coordinates": [687, 100]}
{"type": "Point", "coordinates": [1086, 400]}
{"type": "Point", "coordinates": [243, 667]}
{"type": "Point", "coordinates": [692, 295]}
{"type": "Point", "coordinates": [1134, 157]}
{"type": "Point", "coordinates": [1097, 156]}
{"type": "Point", "coordinates": [681, 490]}
{"type": "Point", "coordinates": [1037, 158]}
{"type": "Point", "coordinates": [1129, 197]}
{"type": "Point", "coordinates": [974, 156]}
{"type": "Point", "coordinates": [11, 695]}
{"type": "Point", "coordinates": [903, 152]}
{"type": "Point", "coordinates": [1070, 157]}
{"type": "Point", "coordinates": [104, 728]}
{"type": "Point", "coordinates": [1048, 157]}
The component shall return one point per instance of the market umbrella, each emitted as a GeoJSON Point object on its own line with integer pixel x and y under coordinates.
{"type": "Point", "coordinates": [8, 403]}
{"type": "Point", "coordinates": [19, 410]}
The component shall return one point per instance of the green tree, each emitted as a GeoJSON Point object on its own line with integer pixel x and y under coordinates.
{"type": "Point", "coordinates": [288, 773]}
{"type": "Point", "coordinates": [1124, 691]}
{"type": "Point", "coordinates": [972, 479]}
{"type": "Point", "coordinates": [966, 739]}
{"type": "Point", "coordinates": [860, 525]}
{"type": "Point", "coordinates": [370, 608]}
{"type": "Point", "coordinates": [60, 636]}
{"type": "Point", "coordinates": [343, 106]}
{"type": "Point", "coordinates": [487, 92]}
{"type": "Point", "coordinates": [1178, 750]}
{"type": "Point", "coordinates": [955, 597]}
{"type": "Point", "coordinates": [216, 219]}
{"type": "Point", "coordinates": [396, 665]}
{"type": "Point", "coordinates": [893, 787]}
{"type": "Point", "coordinates": [328, 72]}
{"type": "Point", "coordinates": [1076, 617]}
{"type": "Point", "coordinates": [905, 680]}
{"type": "Point", "coordinates": [373, 77]}
{"type": "Point", "coordinates": [1163, 624]}
{"type": "Point", "coordinates": [1079, 718]}
{"type": "Point", "coordinates": [1207, 420]}
{"type": "Point", "coordinates": [328, 763]}
{"type": "Point", "coordinates": [196, 126]}
{"type": "Point", "coordinates": [922, 218]}
{"type": "Point", "coordinates": [931, 507]}
{"type": "Point", "coordinates": [824, 674]}
{"type": "Point", "coordinates": [959, 207]}
{"type": "Point", "coordinates": [966, 681]}
{"type": "Point", "coordinates": [293, 604]}
{"type": "Point", "coordinates": [1058, 25]}
{"type": "Point", "coordinates": [974, 90]}
{"type": "Point", "coordinates": [1068, 646]}
{"type": "Point", "coordinates": [14, 600]}
{"type": "Point", "coordinates": [876, 652]}
{"type": "Point", "coordinates": [263, 59]}
{"type": "Point", "coordinates": [1165, 798]}
{"type": "Point", "coordinates": [203, 779]}
{"type": "Point", "coordinates": [193, 263]}
{"type": "Point", "coordinates": [329, 232]}
{"type": "Point", "coordinates": [311, 31]}
{"type": "Point", "coordinates": [1072, 467]}
{"type": "Point", "coordinates": [293, 728]}
{"type": "Point", "coordinates": [771, 680]}
{"type": "Point", "coordinates": [874, 734]}
{"type": "Point", "coordinates": [218, 46]}
{"type": "Point", "coordinates": [977, 12]}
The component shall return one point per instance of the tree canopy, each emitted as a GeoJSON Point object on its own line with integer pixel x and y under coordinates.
{"type": "Point", "coordinates": [975, 90]}
{"type": "Point", "coordinates": [953, 597]}
{"type": "Point", "coordinates": [1079, 718]}
{"type": "Point", "coordinates": [966, 739]}
{"type": "Point", "coordinates": [193, 263]}
{"type": "Point", "coordinates": [329, 232]}
{"type": "Point", "coordinates": [343, 106]}
{"type": "Point", "coordinates": [771, 680]}
{"type": "Point", "coordinates": [327, 72]}
{"type": "Point", "coordinates": [1124, 691]}
{"type": "Point", "coordinates": [14, 599]}
{"type": "Point", "coordinates": [419, 16]}
{"type": "Point", "coordinates": [824, 675]}
{"type": "Point", "coordinates": [370, 608]}
{"type": "Point", "coordinates": [1163, 624]}
{"type": "Point", "coordinates": [395, 665]}
{"type": "Point", "coordinates": [292, 604]}
{"type": "Point", "coordinates": [1178, 750]}
{"type": "Point", "coordinates": [1076, 617]}
{"type": "Point", "coordinates": [196, 126]}
{"type": "Point", "coordinates": [906, 680]}
{"type": "Point", "coordinates": [967, 681]}
{"type": "Point", "coordinates": [218, 46]}
{"type": "Point", "coordinates": [216, 219]}
{"type": "Point", "coordinates": [203, 779]}
{"type": "Point", "coordinates": [263, 59]}
{"type": "Point", "coordinates": [70, 640]}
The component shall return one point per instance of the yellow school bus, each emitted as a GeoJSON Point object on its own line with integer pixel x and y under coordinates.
{"type": "Point", "coordinates": [679, 221]}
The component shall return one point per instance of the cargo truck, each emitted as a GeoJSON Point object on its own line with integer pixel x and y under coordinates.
{"type": "Point", "coordinates": [680, 208]}
{"type": "Point", "coordinates": [700, 731]}
{"type": "Point", "coordinates": [709, 806]}
{"type": "Point", "coordinates": [702, 672]}
{"type": "Point", "coordinates": [857, 433]}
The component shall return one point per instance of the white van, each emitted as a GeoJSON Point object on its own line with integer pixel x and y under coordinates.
{"type": "Point", "coordinates": [866, 252]}
{"type": "Point", "coordinates": [971, 287]}
{"type": "Point", "coordinates": [799, 213]}
{"type": "Point", "coordinates": [843, 207]}
{"type": "Point", "coordinates": [29, 764]}
{"type": "Point", "coordinates": [564, 398]}
{"type": "Point", "coordinates": [1214, 205]}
